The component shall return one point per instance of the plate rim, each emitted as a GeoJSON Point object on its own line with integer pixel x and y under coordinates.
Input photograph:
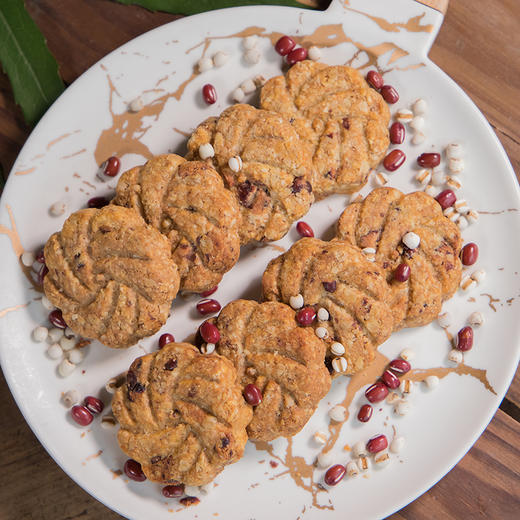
{"type": "Point", "coordinates": [21, 404]}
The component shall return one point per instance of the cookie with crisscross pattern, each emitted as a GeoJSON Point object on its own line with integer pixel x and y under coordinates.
{"type": "Point", "coordinates": [343, 121]}
{"type": "Point", "coordinates": [187, 202]}
{"type": "Point", "coordinates": [182, 415]}
{"type": "Point", "coordinates": [339, 278]}
{"type": "Point", "coordinates": [111, 274]}
{"type": "Point", "coordinates": [272, 183]}
{"type": "Point", "coordinates": [380, 221]}
{"type": "Point", "coordinates": [285, 361]}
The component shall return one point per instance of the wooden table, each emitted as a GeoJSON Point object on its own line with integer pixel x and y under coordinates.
{"type": "Point", "coordinates": [478, 46]}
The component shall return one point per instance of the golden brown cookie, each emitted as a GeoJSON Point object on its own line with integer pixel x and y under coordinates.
{"type": "Point", "coordinates": [342, 119]}
{"type": "Point", "coordinates": [272, 185]}
{"type": "Point", "coordinates": [380, 222]}
{"type": "Point", "coordinates": [284, 361]}
{"type": "Point", "coordinates": [187, 202]}
{"type": "Point", "coordinates": [182, 415]}
{"type": "Point", "coordinates": [352, 291]}
{"type": "Point", "coordinates": [111, 275]}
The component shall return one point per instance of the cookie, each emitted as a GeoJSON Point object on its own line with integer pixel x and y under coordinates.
{"type": "Point", "coordinates": [111, 274]}
{"type": "Point", "coordinates": [380, 222]}
{"type": "Point", "coordinates": [271, 183]}
{"type": "Point", "coordinates": [182, 415]}
{"type": "Point", "coordinates": [284, 361]}
{"type": "Point", "coordinates": [187, 202]}
{"type": "Point", "coordinates": [352, 291]}
{"type": "Point", "coordinates": [343, 121]}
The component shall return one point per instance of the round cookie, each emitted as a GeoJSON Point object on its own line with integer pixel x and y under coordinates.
{"type": "Point", "coordinates": [285, 361]}
{"type": "Point", "coordinates": [272, 186]}
{"type": "Point", "coordinates": [182, 415]}
{"type": "Point", "coordinates": [343, 121]}
{"type": "Point", "coordinates": [187, 202]}
{"type": "Point", "coordinates": [111, 275]}
{"type": "Point", "coordinates": [339, 278]}
{"type": "Point", "coordinates": [380, 221]}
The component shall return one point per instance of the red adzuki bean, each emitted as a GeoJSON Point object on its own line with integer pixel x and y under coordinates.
{"type": "Point", "coordinates": [284, 45]}
{"type": "Point", "coordinates": [174, 490]}
{"type": "Point", "coordinates": [376, 392]}
{"type": "Point", "coordinates": [389, 94]}
{"type": "Point", "coordinates": [429, 160]}
{"type": "Point", "coordinates": [394, 160]}
{"type": "Point", "coordinates": [469, 254]}
{"type": "Point", "coordinates": [446, 199]}
{"type": "Point", "coordinates": [164, 339]}
{"type": "Point", "coordinates": [365, 413]}
{"type": "Point", "coordinates": [111, 166]}
{"type": "Point", "coordinates": [93, 404]}
{"type": "Point", "coordinates": [296, 55]}
{"type": "Point", "coordinates": [134, 471]}
{"type": "Point", "coordinates": [56, 318]}
{"type": "Point", "coordinates": [390, 379]}
{"type": "Point", "coordinates": [397, 133]}
{"type": "Point", "coordinates": [402, 272]}
{"type": "Point", "coordinates": [209, 94]}
{"type": "Point", "coordinates": [42, 273]}
{"type": "Point", "coordinates": [374, 79]}
{"type": "Point", "coordinates": [465, 339]}
{"type": "Point", "coordinates": [399, 366]}
{"type": "Point", "coordinates": [81, 415]}
{"type": "Point", "coordinates": [97, 202]}
{"type": "Point", "coordinates": [334, 474]}
{"type": "Point", "coordinates": [208, 306]}
{"type": "Point", "coordinates": [377, 444]}
{"type": "Point", "coordinates": [304, 229]}
{"type": "Point", "coordinates": [252, 394]}
{"type": "Point", "coordinates": [306, 316]}
{"type": "Point", "coordinates": [209, 332]}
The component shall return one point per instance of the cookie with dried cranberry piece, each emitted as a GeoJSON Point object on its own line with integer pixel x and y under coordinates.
{"type": "Point", "coordinates": [339, 278]}
{"type": "Point", "coordinates": [188, 203]}
{"type": "Point", "coordinates": [280, 365]}
{"type": "Point", "coordinates": [182, 415]}
{"type": "Point", "coordinates": [380, 221]}
{"type": "Point", "coordinates": [271, 183]}
{"type": "Point", "coordinates": [343, 121]}
{"type": "Point", "coordinates": [111, 274]}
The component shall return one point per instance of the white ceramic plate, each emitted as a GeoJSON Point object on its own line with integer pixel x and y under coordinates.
{"type": "Point", "coordinates": [89, 122]}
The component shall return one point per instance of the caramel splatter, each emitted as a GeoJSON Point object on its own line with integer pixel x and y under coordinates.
{"type": "Point", "coordinates": [89, 185]}
{"type": "Point", "coordinates": [356, 382]}
{"type": "Point", "coordinates": [411, 25]}
{"type": "Point", "coordinates": [182, 132]}
{"type": "Point", "coordinates": [298, 470]}
{"type": "Point", "coordinates": [93, 456]}
{"type": "Point", "coordinates": [25, 172]}
{"type": "Point", "coordinates": [3, 312]}
{"type": "Point", "coordinates": [480, 374]}
{"type": "Point", "coordinates": [50, 144]}
{"type": "Point", "coordinates": [127, 129]}
{"type": "Point", "coordinates": [83, 150]}
{"type": "Point", "coordinates": [12, 233]}
{"type": "Point", "coordinates": [509, 210]}
{"type": "Point", "coordinates": [124, 136]}
{"type": "Point", "coordinates": [262, 245]}
{"type": "Point", "coordinates": [116, 473]}
{"type": "Point", "coordinates": [491, 301]}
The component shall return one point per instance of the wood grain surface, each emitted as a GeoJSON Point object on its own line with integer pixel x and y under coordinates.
{"type": "Point", "coordinates": [478, 46]}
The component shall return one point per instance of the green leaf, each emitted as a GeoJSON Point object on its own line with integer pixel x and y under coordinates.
{"type": "Point", "coordinates": [25, 58]}
{"type": "Point", "coordinates": [200, 6]}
